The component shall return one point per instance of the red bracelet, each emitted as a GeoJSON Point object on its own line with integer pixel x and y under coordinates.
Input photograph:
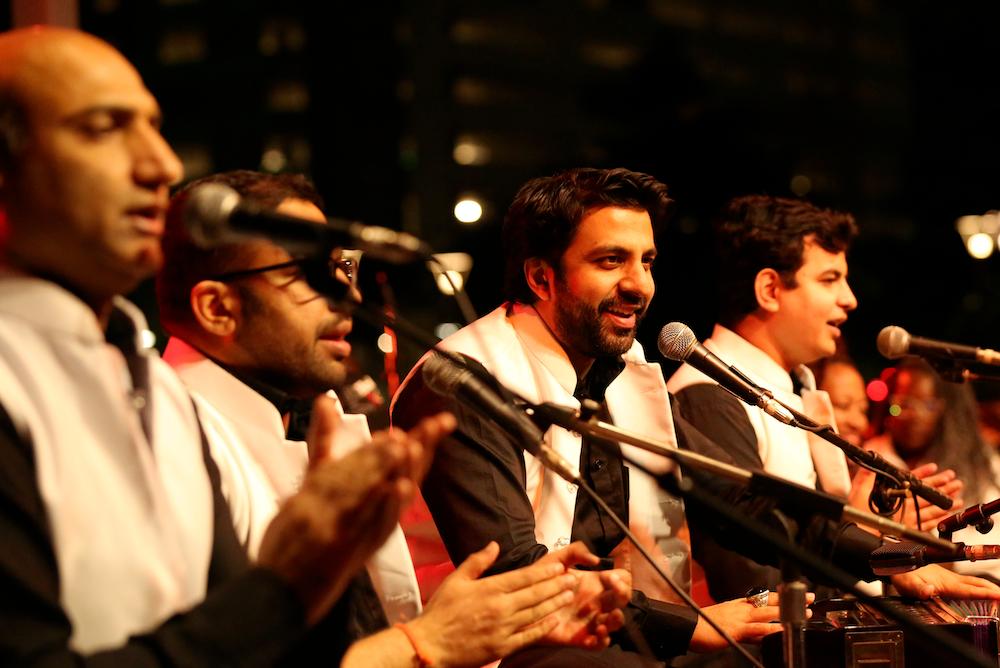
{"type": "Point", "coordinates": [422, 658]}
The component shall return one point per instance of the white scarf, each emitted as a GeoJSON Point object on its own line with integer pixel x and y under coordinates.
{"type": "Point", "coordinates": [131, 516]}
{"type": "Point", "coordinates": [523, 355]}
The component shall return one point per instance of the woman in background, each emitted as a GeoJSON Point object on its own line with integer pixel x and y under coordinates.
{"type": "Point", "coordinates": [840, 378]}
{"type": "Point", "coordinates": [929, 420]}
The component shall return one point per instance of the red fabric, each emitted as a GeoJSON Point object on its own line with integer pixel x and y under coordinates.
{"type": "Point", "coordinates": [430, 559]}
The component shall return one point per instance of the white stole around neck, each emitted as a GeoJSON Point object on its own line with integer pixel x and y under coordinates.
{"type": "Point", "coordinates": [520, 351]}
{"type": "Point", "coordinates": [130, 514]}
{"type": "Point", "coordinates": [788, 452]}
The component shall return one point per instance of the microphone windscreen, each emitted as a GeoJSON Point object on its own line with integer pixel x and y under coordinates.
{"type": "Point", "coordinates": [207, 211]}
{"type": "Point", "coordinates": [676, 341]}
{"type": "Point", "coordinates": [893, 342]}
{"type": "Point", "coordinates": [890, 550]}
{"type": "Point", "coordinates": [442, 376]}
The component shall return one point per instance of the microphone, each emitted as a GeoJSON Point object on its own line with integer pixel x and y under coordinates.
{"type": "Point", "coordinates": [978, 515]}
{"type": "Point", "coordinates": [677, 342]}
{"type": "Point", "coordinates": [893, 558]}
{"type": "Point", "coordinates": [446, 378]}
{"type": "Point", "coordinates": [895, 342]}
{"type": "Point", "coordinates": [215, 214]}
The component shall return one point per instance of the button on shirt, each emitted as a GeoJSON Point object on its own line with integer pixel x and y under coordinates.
{"type": "Point", "coordinates": [601, 466]}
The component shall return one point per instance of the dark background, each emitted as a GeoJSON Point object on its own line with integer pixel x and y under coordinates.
{"type": "Point", "coordinates": [889, 110]}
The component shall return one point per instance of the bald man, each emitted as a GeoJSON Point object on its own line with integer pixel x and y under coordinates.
{"type": "Point", "coordinates": [117, 546]}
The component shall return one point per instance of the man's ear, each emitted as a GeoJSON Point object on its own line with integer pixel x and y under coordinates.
{"type": "Point", "coordinates": [216, 308]}
{"type": "Point", "coordinates": [540, 277]}
{"type": "Point", "coordinates": [766, 286]}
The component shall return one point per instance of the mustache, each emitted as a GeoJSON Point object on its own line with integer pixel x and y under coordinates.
{"type": "Point", "coordinates": [335, 326]}
{"type": "Point", "coordinates": [639, 306]}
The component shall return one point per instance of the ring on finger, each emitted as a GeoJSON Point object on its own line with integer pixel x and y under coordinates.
{"type": "Point", "coordinates": [757, 596]}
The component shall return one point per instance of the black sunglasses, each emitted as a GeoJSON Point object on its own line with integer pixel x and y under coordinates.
{"type": "Point", "coordinates": [347, 265]}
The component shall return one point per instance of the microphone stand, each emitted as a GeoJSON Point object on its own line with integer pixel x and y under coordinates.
{"type": "Point", "coordinates": [871, 460]}
{"type": "Point", "coordinates": [954, 371]}
{"type": "Point", "coordinates": [932, 638]}
{"type": "Point", "coordinates": [834, 508]}
{"type": "Point", "coordinates": [807, 502]}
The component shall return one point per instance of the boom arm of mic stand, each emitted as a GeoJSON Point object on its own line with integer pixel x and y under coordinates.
{"type": "Point", "coordinates": [872, 460]}
{"type": "Point", "coordinates": [960, 371]}
{"type": "Point", "coordinates": [568, 418]}
{"type": "Point", "coordinates": [974, 515]}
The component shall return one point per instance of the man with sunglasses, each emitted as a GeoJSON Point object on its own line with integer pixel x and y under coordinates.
{"type": "Point", "coordinates": [256, 344]}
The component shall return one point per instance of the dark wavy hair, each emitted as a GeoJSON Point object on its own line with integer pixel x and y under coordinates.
{"type": "Point", "coordinates": [546, 212]}
{"type": "Point", "coordinates": [185, 263]}
{"type": "Point", "coordinates": [759, 232]}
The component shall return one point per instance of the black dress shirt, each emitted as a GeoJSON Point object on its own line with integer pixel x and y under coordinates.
{"type": "Point", "coordinates": [602, 468]}
{"type": "Point", "coordinates": [475, 490]}
{"type": "Point", "coordinates": [732, 564]}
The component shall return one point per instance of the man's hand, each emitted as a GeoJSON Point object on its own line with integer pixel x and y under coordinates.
{"type": "Point", "coordinates": [470, 622]}
{"type": "Point", "coordinates": [944, 482]}
{"type": "Point", "coordinates": [645, 578]}
{"type": "Point", "coordinates": [741, 620]}
{"type": "Point", "coordinates": [595, 611]}
{"type": "Point", "coordinates": [345, 509]}
{"type": "Point", "coordinates": [934, 580]}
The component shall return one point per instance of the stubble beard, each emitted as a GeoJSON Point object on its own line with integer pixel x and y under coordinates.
{"type": "Point", "coordinates": [299, 367]}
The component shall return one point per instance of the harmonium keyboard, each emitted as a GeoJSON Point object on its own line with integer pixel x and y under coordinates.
{"type": "Point", "coordinates": [849, 633]}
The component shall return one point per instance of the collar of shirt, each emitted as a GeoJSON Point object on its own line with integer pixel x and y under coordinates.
{"type": "Point", "coordinates": [601, 374]}
{"type": "Point", "coordinates": [299, 411]}
{"type": "Point", "coordinates": [180, 353]}
{"type": "Point", "coordinates": [754, 362]}
{"type": "Point", "coordinates": [258, 417]}
{"type": "Point", "coordinates": [34, 300]}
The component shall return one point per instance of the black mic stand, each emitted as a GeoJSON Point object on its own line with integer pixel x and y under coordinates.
{"type": "Point", "coordinates": [568, 418]}
{"type": "Point", "coordinates": [872, 460]}
{"type": "Point", "coordinates": [956, 371]}
{"type": "Point", "coordinates": [891, 482]}
{"type": "Point", "coordinates": [807, 504]}
{"type": "Point", "coordinates": [793, 621]}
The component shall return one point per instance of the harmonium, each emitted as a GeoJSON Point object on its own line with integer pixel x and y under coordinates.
{"type": "Point", "coordinates": [847, 633]}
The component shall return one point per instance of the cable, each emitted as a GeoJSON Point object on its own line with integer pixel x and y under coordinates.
{"type": "Point", "coordinates": [684, 596]}
{"type": "Point", "coordinates": [461, 298]}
